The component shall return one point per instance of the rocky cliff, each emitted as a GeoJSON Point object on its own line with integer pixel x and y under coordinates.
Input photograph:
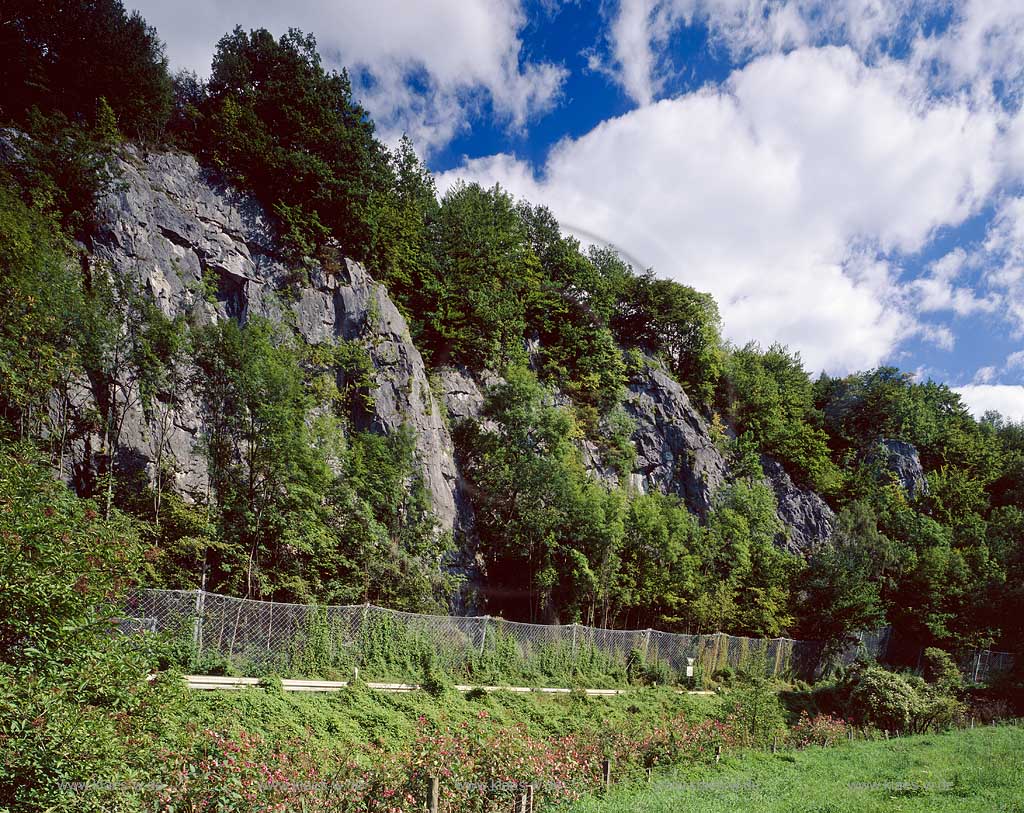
{"type": "Point", "coordinates": [807, 518]}
{"type": "Point", "coordinates": [206, 251]}
{"type": "Point", "coordinates": [902, 461]}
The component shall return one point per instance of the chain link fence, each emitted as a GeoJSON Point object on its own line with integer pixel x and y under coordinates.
{"type": "Point", "coordinates": [985, 665]}
{"type": "Point", "coordinates": [224, 634]}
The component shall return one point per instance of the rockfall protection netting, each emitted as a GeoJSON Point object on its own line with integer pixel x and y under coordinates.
{"type": "Point", "coordinates": [270, 636]}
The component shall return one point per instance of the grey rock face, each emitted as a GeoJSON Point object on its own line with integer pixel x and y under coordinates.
{"type": "Point", "coordinates": [808, 518]}
{"type": "Point", "coordinates": [463, 398]}
{"type": "Point", "coordinates": [902, 459]}
{"type": "Point", "coordinates": [207, 252]}
{"type": "Point", "coordinates": [675, 452]}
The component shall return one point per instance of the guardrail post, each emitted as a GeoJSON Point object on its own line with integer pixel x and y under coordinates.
{"type": "Point", "coordinates": [529, 798]}
{"type": "Point", "coordinates": [606, 774]}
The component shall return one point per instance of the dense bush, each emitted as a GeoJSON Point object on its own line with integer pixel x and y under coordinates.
{"type": "Point", "coordinates": [753, 710]}
{"type": "Point", "coordinates": [893, 702]}
{"type": "Point", "coordinates": [939, 668]}
{"type": "Point", "coordinates": [79, 712]}
{"type": "Point", "coordinates": [881, 698]}
{"type": "Point", "coordinates": [483, 762]}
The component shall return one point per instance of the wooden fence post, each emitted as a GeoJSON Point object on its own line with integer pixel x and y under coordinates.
{"type": "Point", "coordinates": [775, 744]}
{"type": "Point", "coordinates": [433, 796]}
{"type": "Point", "coordinates": [606, 774]}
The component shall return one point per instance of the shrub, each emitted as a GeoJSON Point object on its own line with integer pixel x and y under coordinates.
{"type": "Point", "coordinates": [821, 729]}
{"type": "Point", "coordinates": [755, 712]}
{"type": "Point", "coordinates": [939, 668]}
{"type": "Point", "coordinates": [933, 709]}
{"type": "Point", "coordinates": [881, 698]}
{"type": "Point", "coordinates": [79, 712]}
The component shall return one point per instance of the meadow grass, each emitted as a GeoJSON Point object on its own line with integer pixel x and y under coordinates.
{"type": "Point", "coordinates": [962, 771]}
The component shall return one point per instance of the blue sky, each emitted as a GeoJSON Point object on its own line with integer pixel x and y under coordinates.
{"type": "Point", "coordinates": [845, 176]}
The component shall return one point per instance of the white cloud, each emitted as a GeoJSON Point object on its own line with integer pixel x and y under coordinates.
{"type": "Point", "coordinates": [640, 30]}
{"type": "Point", "coordinates": [936, 290]}
{"type": "Point", "coordinates": [460, 52]}
{"type": "Point", "coordinates": [985, 375]}
{"type": "Point", "coordinates": [1000, 257]}
{"type": "Point", "coordinates": [783, 193]}
{"type": "Point", "coordinates": [984, 41]}
{"type": "Point", "coordinates": [1015, 361]}
{"type": "Point", "coordinates": [1003, 398]}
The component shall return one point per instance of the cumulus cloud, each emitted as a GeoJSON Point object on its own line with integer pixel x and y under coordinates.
{"type": "Point", "coordinates": [790, 193]}
{"type": "Point", "coordinates": [1006, 399]}
{"type": "Point", "coordinates": [985, 375]}
{"type": "Point", "coordinates": [937, 290]}
{"type": "Point", "coordinates": [427, 66]}
{"type": "Point", "coordinates": [983, 43]}
{"type": "Point", "coordinates": [640, 30]}
{"type": "Point", "coordinates": [1002, 255]}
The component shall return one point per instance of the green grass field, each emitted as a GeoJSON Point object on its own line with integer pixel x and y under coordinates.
{"type": "Point", "coordinates": [979, 770]}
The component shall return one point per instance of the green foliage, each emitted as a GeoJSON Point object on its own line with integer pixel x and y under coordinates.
{"type": "Point", "coordinates": [39, 315]}
{"type": "Point", "coordinates": [769, 395]}
{"type": "Point", "coordinates": [66, 56]}
{"type": "Point", "coordinates": [62, 168]}
{"type": "Point", "coordinates": [264, 473]}
{"type": "Point", "coordinates": [755, 709]}
{"type": "Point", "coordinates": [840, 590]}
{"type": "Point", "coordinates": [75, 701]}
{"type": "Point", "coordinates": [486, 275]}
{"type": "Point", "coordinates": [940, 669]}
{"type": "Point", "coordinates": [747, 575]}
{"type": "Point", "coordinates": [60, 565]}
{"type": "Point", "coordinates": [673, 322]}
{"type": "Point", "coordinates": [278, 124]}
{"type": "Point", "coordinates": [881, 698]}
{"type": "Point", "coordinates": [660, 573]}
{"type": "Point", "coordinates": [550, 533]}
{"type": "Point", "coordinates": [874, 696]}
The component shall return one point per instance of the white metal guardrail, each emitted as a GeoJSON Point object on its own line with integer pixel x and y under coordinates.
{"type": "Point", "coordinates": [213, 682]}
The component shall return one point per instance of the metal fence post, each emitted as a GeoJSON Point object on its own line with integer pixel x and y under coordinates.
{"type": "Point", "coordinates": [483, 633]}
{"type": "Point", "coordinates": [197, 622]}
